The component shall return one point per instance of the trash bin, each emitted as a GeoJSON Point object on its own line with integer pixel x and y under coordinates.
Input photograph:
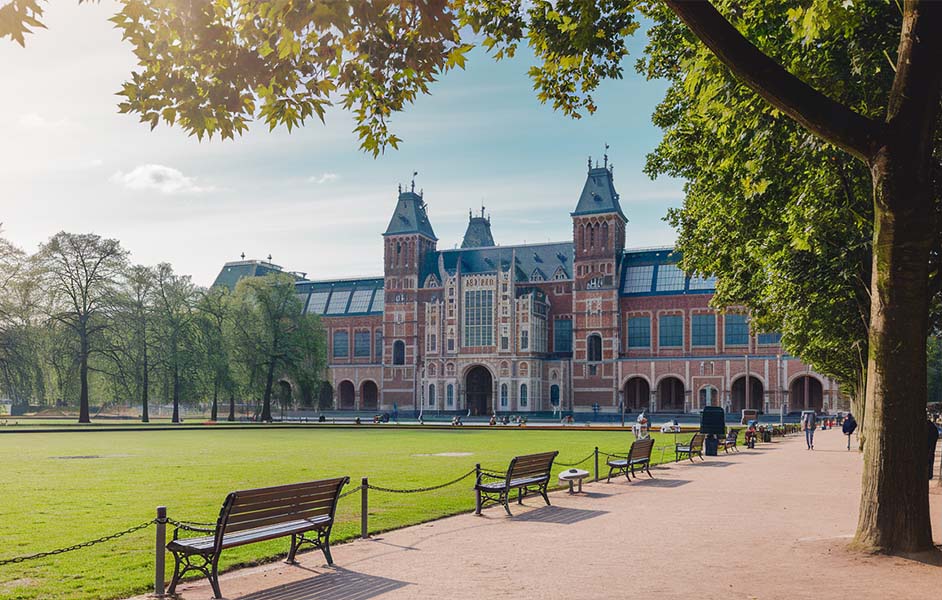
{"type": "Point", "coordinates": [767, 435]}
{"type": "Point", "coordinates": [711, 445]}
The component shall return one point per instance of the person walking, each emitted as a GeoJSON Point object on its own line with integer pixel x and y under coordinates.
{"type": "Point", "coordinates": [809, 423]}
{"type": "Point", "coordinates": [933, 432]}
{"type": "Point", "coordinates": [849, 427]}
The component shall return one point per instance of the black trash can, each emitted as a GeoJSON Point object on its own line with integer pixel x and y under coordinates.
{"type": "Point", "coordinates": [711, 445]}
{"type": "Point", "coordinates": [767, 435]}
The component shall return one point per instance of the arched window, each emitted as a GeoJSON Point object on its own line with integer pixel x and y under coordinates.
{"type": "Point", "coordinates": [398, 253]}
{"type": "Point", "coordinates": [341, 344]}
{"type": "Point", "coordinates": [378, 343]}
{"type": "Point", "coordinates": [431, 394]}
{"type": "Point", "coordinates": [523, 394]}
{"type": "Point", "coordinates": [450, 394]}
{"type": "Point", "coordinates": [585, 238]}
{"type": "Point", "coordinates": [604, 235]}
{"type": "Point", "coordinates": [399, 352]}
{"type": "Point", "coordinates": [554, 395]}
{"type": "Point", "coordinates": [591, 236]}
{"type": "Point", "coordinates": [503, 395]}
{"type": "Point", "coordinates": [594, 348]}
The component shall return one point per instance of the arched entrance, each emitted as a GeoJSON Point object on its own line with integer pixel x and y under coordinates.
{"type": "Point", "coordinates": [806, 393]}
{"type": "Point", "coordinates": [478, 386]}
{"type": "Point", "coordinates": [637, 394]}
{"type": "Point", "coordinates": [369, 396]}
{"type": "Point", "coordinates": [670, 395]}
{"type": "Point", "coordinates": [346, 392]}
{"type": "Point", "coordinates": [756, 394]}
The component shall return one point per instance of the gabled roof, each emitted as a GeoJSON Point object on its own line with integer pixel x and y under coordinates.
{"type": "Point", "coordinates": [546, 257]}
{"type": "Point", "coordinates": [232, 272]}
{"type": "Point", "coordinates": [342, 297]}
{"type": "Point", "coordinates": [478, 234]}
{"type": "Point", "coordinates": [599, 195]}
{"type": "Point", "coordinates": [410, 216]}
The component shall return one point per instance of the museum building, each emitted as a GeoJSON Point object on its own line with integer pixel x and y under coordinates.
{"type": "Point", "coordinates": [582, 325]}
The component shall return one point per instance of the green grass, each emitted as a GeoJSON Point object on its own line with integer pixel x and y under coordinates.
{"type": "Point", "coordinates": [47, 501]}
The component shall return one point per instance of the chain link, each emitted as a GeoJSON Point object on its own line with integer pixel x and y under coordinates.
{"type": "Point", "coordinates": [101, 540]}
{"type": "Point", "coordinates": [562, 464]}
{"type": "Point", "coordinates": [350, 491]}
{"type": "Point", "coordinates": [192, 526]}
{"type": "Point", "coordinates": [425, 489]}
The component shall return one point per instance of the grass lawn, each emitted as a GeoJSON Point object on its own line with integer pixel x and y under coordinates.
{"type": "Point", "coordinates": [60, 489]}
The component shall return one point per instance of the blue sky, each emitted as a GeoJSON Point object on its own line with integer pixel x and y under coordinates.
{"type": "Point", "coordinates": [310, 198]}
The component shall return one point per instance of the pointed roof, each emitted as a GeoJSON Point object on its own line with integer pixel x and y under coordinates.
{"type": "Point", "coordinates": [598, 194]}
{"type": "Point", "coordinates": [478, 234]}
{"type": "Point", "coordinates": [410, 216]}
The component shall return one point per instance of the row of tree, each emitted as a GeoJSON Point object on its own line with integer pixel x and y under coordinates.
{"type": "Point", "coordinates": [79, 320]}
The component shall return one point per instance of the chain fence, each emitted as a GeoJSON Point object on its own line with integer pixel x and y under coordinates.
{"type": "Point", "coordinates": [422, 489]}
{"type": "Point", "coordinates": [575, 464]}
{"type": "Point", "coordinates": [95, 542]}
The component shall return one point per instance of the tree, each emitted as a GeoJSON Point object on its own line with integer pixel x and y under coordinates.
{"type": "Point", "coordinates": [273, 336]}
{"type": "Point", "coordinates": [80, 272]}
{"type": "Point", "coordinates": [213, 66]}
{"type": "Point", "coordinates": [214, 308]}
{"type": "Point", "coordinates": [174, 309]}
{"type": "Point", "coordinates": [130, 351]}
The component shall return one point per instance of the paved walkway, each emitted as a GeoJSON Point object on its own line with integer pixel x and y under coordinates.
{"type": "Point", "coordinates": [762, 524]}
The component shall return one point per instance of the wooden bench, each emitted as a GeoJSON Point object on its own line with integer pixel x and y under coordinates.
{"type": "Point", "coordinates": [732, 438]}
{"type": "Point", "coordinates": [528, 473]}
{"type": "Point", "coordinates": [695, 447]}
{"type": "Point", "coordinates": [258, 515]}
{"type": "Point", "coordinates": [639, 455]}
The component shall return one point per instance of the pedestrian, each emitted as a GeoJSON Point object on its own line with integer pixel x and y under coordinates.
{"type": "Point", "coordinates": [933, 432]}
{"type": "Point", "coordinates": [809, 423]}
{"type": "Point", "coordinates": [849, 427]}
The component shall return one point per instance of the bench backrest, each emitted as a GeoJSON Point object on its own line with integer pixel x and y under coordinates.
{"type": "Point", "coordinates": [696, 443]}
{"type": "Point", "coordinates": [531, 465]}
{"type": "Point", "coordinates": [261, 507]}
{"type": "Point", "coordinates": [732, 435]}
{"type": "Point", "coordinates": [641, 449]}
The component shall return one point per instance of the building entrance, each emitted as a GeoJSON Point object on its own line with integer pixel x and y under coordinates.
{"type": "Point", "coordinates": [479, 387]}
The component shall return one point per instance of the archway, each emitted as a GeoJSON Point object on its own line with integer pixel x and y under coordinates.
{"type": "Point", "coordinates": [708, 396]}
{"type": "Point", "coordinates": [369, 396]}
{"type": "Point", "coordinates": [554, 396]}
{"type": "Point", "coordinates": [756, 394]}
{"type": "Point", "coordinates": [399, 352]}
{"type": "Point", "coordinates": [479, 384]}
{"type": "Point", "coordinates": [346, 392]}
{"type": "Point", "coordinates": [670, 395]}
{"type": "Point", "coordinates": [637, 394]}
{"type": "Point", "coordinates": [806, 393]}
{"type": "Point", "coordinates": [325, 398]}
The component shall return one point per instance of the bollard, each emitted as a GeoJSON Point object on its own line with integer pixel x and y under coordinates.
{"type": "Point", "coordinates": [596, 463]}
{"type": "Point", "coordinates": [160, 551]}
{"type": "Point", "coordinates": [364, 508]}
{"type": "Point", "coordinates": [477, 492]}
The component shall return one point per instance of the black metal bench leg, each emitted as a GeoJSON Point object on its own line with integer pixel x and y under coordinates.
{"type": "Point", "coordinates": [520, 496]}
{"type": "Point", "coordinates": [647, 469]}
{"type": "Point", "coordinates": [326, 549]}
{"type": "Point", "coordinates": [214, 578]}
{"type": "Point", "coordinates": [506, 499]}
{"type": "Point", "coordinates": [294, 548]}
{"type": "Point", "coordinates": [171, 590]}
{"type": "Point", "coordinates": [545, 497]}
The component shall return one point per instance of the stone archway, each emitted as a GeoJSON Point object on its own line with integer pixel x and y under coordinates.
{"type": "Point", "coordinates": [369, 396]}
{"type": "Point", "coordinates": [670, 395]}
{"type": "Point", "coordinates": [738, 394]}
{"type": "Point", "coordinates": [479, 386]}
{"type": "Point", "coordinates": [347, 393]}
{"type": "Point", "coordinates": [806, 393]}
{"type": "Point", "coordinates": [637, 394]}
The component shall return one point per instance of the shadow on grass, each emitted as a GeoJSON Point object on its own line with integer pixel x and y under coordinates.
{"type": "Point", "coordinates": [558, 514]}
{"type": "Point", "coordinates": [340, 584]}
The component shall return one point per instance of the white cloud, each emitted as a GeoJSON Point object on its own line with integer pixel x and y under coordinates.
{"type": "Point", "coordinates": [166, 180]}
{"type": "Point", "coordinates": [323, 178]}
{"type": "Point", "coordinates": [37, 122]}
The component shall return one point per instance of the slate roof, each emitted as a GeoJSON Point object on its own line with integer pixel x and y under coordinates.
{"type": "Point", "coordinates": [548, 258]}
{"type": "Point", "coordinates": [410, 216]}
{"type": "Point", "coordinates": [599, 195]}
{"type": "Point", "coordinates": [342, 297]}
{"type": "Point", "coordinates": [478, 234]}
{"type": "Point", "coordinates": [654, 272]}
{"type": "Point", "coordinates": [232, 272]}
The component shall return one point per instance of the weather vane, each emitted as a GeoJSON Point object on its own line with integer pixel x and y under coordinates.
{"type": "Point", "coordinates": [606, 156]}
{"type": "Point", "coordinates": [243, 256]}
{"type": "Point", "coordinates": [414, 173]}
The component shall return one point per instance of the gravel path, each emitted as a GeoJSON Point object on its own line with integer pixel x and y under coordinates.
{"type": "Point", "coordinates": [762, 524]}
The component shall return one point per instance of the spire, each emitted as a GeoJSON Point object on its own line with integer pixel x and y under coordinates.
{"type": "Point", "coordinates": [478, 234]}
{"type": "Point", "coordinates": [410, 215]}
{"type": "Point", "coordinates": [598, 194]}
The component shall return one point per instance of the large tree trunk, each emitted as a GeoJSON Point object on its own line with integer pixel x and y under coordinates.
{"type": "Point", "coordinates": [215, 410]}
{"type": "Point", "coordinates": [84, 416]}
{"type": "Point", "coordinates": [894, 503]}
{"type": "Point", "coordinates": [231, 408]}
{"type": "Point", "coordinates": [176, 395]}
{"type": "Point", "coordinates": [266, 401]}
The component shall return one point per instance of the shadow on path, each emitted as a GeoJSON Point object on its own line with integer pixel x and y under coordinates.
{"type": "Point", "coordinates": [339, 584]}
{"type": "Point", "coordinates": [665, 483]}
{"type": "Point", "coordinates": [556, 514]}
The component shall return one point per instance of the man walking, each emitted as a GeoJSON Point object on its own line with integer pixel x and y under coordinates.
{"type": "Point", "coordinates": [849, 427]}
{"type": "Point", "coordinates": [809, 423]}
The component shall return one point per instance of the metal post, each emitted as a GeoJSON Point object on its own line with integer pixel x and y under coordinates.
{"type": "Point", "coordinates": [364, 508]}
{"type": "Point", "coordinates": [477, 492]}
{"type": "Point", "coordinates": [160, 551]}
{"type": "Point", "coordinates": [596, 463]}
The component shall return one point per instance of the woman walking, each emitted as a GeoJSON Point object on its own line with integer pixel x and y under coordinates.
{"type": "Point", "coordinates": [809, 421]}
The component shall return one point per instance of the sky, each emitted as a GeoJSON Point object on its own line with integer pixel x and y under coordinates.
{"type": "Point", "coordinates": [310, 198]}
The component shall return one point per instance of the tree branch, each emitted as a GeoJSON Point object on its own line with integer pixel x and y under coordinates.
{"type": "Point", "coordinates": [826, 118]}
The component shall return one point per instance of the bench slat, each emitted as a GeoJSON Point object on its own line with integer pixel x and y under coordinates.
{"type": "Point", "coordinates": [239, 507]}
